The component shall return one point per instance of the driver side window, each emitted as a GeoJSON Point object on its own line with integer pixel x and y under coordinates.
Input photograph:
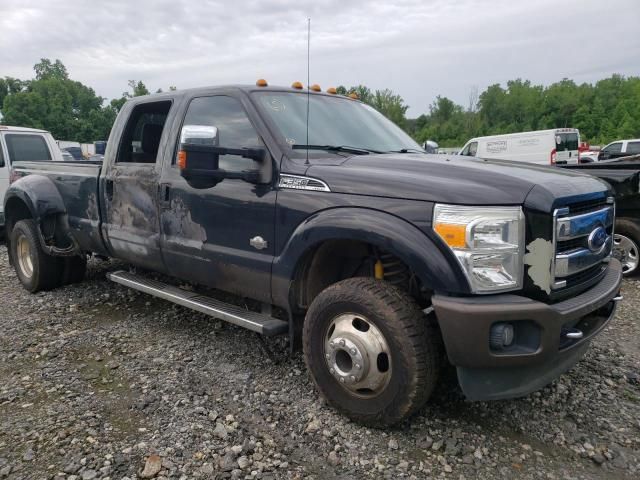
{"type": "Point", "coordinates": [613, 148]}
{"type": "Point", "coordinates": [234, 127]}
{"type": "Point", "coordinates": [470, 150]}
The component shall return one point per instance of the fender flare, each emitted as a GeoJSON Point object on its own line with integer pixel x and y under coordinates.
{"type": "Point", "coordinates": [43, 200]}
{"type": "Point", "coordinates": [39, 194]}
{"type": "Point", "coordinates": [431, 261]}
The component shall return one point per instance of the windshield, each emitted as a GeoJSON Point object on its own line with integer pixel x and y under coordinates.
{"type": "Point", "coordinates": [333, 121]}
{"type": "Point", "coordinates": [566, 141]}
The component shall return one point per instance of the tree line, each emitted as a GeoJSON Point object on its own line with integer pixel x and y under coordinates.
{"type": "Point", "coordinates": [604, 111]}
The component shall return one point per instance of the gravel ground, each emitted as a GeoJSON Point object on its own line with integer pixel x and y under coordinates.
{"type": "Point", "coordinates": [97, 381]}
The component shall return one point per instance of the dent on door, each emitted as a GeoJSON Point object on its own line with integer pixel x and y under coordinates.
{"type": "Point", "coordinates": [132, 214]}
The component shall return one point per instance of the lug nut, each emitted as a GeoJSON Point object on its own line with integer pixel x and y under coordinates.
{"type": "Point", "coordinates": [358, 366]}
{"type": "Point", "coordinates": [353, 379]}
{"type": "Point", "coordinates": [342, 342]}
{"type": "Point", "coordinates": [332, 345]}
{"type": "Point", "coordinates": [353, 351]}
{"type": "Point", "coordinates": [332, 370]}
{"type": "Point", "coordinates": [341, 380]}
{"type": "Point", "coordinates": [328, 356]}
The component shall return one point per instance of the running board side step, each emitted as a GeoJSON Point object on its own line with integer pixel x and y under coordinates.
{"type": "Point", "coordinates": [254, 321]}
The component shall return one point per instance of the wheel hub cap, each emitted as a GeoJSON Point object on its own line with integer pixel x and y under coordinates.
{"type": "Point", "coordinates": [357, 355]}
{"type": "Point", "coordinates": [626, 250]}
{"type": "Point", "coordinates": [24, 256]}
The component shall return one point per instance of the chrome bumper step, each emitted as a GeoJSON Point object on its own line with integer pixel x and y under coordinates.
{"type": "Point", "coordinates": [254, 321]}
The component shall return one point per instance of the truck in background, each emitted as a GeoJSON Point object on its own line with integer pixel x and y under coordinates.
{"type": "Point", "coordinates": [19, 144]}
{"type": "Point", "coordinates": [543, 147]}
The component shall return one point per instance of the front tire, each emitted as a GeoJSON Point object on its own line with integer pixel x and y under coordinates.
{"type": "Point", "coordinates": [370, 351]}
{"type": "Point", "coordinates": [626, 246]}
{"type": "Point", "coordinates": [36, 269]}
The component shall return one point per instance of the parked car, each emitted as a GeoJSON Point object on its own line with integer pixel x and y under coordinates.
{"type": "Point", "coordinates": [22, 144]}
{"type": "Point", "coordinates": [620, 148]}
{"type": "Point", "coordinates": [624, 176]}
{"type": "Point", "coordinates": [380, 256]}
{"type": "Point", "coordinates": [544, 147]}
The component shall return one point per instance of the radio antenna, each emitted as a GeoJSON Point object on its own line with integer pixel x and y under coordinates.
{"type": "Point", "coordinates": [308, 81]}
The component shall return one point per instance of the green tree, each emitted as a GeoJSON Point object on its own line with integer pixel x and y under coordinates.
{"type": "Point", "coordinates": [54, 102]}
{"type": "Point", "coordinates": [390, 105]}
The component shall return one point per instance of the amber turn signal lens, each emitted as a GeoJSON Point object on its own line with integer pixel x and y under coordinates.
{"type": "Point", "coordinates": [332, 90]}
{"type": "Point", "coordinates": [453, 235]}
{"type": "Point", "coordinates": [182, 159]}
{"type": "Point", "coordinates": [262, 83]}
{"type": "Point", "coordinates": [296, 85]}
{"type": "Point", "coordinates": [315, 87]}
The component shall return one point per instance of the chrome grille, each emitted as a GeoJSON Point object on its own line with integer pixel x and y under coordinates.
{"type": "Point", "coordinates": [582, 241]}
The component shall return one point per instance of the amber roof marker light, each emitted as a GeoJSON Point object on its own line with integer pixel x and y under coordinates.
{"type": "Point", "coordinates": [332, 90]}
{"type": "Point", "coordinates": [261, 82]}
{"type": "Point", "coordinates": [315, 88]}
{"type": "Point", "coordinates": [297, 85]}
{"type": "Point", "coordinates": [354, 95]}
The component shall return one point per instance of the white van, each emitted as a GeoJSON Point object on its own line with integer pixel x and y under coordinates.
{"type": "Point", "coordinates": [19, 143]}
{"type": "Point", "coordinates": [544, 147]}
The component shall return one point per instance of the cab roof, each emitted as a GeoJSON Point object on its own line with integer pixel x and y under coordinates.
{"type": "Point", "coordinates": [9, 128]}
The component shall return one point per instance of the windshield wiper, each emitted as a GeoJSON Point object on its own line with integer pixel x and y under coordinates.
{"type": "Point", "coordinates": [407, 150]}
{"type": "Point", "coordinates": [336, 148]}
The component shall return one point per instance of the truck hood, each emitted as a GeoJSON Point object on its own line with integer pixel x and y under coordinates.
{"type": "Point", "coordinates": [453, 179]}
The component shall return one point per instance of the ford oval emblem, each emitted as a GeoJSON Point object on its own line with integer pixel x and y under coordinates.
{"type": "Point", "coordinates": [597, 239]}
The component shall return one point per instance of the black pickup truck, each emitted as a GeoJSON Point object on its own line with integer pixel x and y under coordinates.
{"type": "Point", "coordinates": [381, 257]}
{"type": "Point", "coordinates": [623, 174]}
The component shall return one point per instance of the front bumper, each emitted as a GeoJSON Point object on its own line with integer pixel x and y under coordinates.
{"type": "Point", "coordinates": [540, 352]}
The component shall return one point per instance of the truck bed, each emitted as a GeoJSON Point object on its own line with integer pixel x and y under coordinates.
{"type": "Point", "coordinates": [623, 175]}
{"type": "Point", "coordinates": [78, 184]}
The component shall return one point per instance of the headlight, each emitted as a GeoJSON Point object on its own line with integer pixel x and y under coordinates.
{"type": "Point", "coordinates": [487, 241]}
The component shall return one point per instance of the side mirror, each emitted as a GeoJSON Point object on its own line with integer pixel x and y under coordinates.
{"type": "Point", "coordinates": [430, 146]}
{"type": "Point", "coordinates": [199, 157]}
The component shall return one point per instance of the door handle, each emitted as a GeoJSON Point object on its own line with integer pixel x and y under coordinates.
{"type": "Point", "coordinates": [165, 194]}
{"type": "Point", "coordinates": [108, 183]}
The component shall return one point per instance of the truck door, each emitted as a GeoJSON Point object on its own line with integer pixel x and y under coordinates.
{"type": "Point", "coordinates": [221, 236]}
{"type": "Point", "coordinates": [129, 187]}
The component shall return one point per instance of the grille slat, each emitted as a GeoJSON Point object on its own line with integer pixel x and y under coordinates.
{"type": "Point", "coordinates": [573, 224]}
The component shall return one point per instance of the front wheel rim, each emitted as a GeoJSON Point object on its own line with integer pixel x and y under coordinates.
{"type": "Point", "coordinates": [357, 355]}
{"type": "Point", "coordinates": [626, 250]}
{"type": "Point", "coordinates": [25, 260]}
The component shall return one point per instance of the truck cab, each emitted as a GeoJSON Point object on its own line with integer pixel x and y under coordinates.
{"type": "Point", "coordinates": [380, 256]}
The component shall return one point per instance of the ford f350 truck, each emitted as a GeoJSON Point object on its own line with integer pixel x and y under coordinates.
{"type": "Point", "coordinates": [383, 257]}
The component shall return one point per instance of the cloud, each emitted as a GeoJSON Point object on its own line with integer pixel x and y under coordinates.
{"type": "Point", "coordinates": [417, 48]}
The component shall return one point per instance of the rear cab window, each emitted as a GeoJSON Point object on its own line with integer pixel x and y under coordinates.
{"type": "Point", "coordinates": [27, 147]}
{"type": "Point", "coordinates": [141, 138]}
{"type": "Point", "coordinates": [633, 148]}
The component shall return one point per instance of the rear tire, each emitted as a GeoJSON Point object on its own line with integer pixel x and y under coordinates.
{"type": "Point", "coordinates": [36, 269]}
{"type": "Point", "coordinates": [355, 320]}
{"type": "Point", "coordinates": [626, 246]}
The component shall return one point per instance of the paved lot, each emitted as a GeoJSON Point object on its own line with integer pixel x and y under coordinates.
{"type": "Point", "coordinates": [97, 381]}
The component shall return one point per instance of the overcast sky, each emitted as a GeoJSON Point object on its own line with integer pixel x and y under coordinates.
{"type": "Point", "coordinates": [418, 48]}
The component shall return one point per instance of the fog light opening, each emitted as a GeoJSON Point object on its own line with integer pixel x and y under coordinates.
{"type": "Point", "coordinates": [501, 336]}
